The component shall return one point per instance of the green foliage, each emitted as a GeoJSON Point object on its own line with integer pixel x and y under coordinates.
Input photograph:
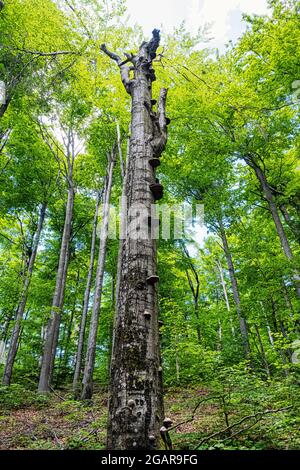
{"type": "Point", "coordinates": [17, 396]}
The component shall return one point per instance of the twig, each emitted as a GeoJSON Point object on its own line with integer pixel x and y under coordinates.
{"type": "Point", "coordinates": [57, 394]}
{"type": "Point", "coordinates": [259, 415]}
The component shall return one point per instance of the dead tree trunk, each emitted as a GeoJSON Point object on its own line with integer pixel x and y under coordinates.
{"type": "Point", "coordinates": [235, 291]}
{"type": "Point", "coordinates": [135, 404]}
{"type": "Point", "coordinates": [82, 327]}
{"type": "Point", "coordinates": [13, 346]}
{"type": "Point", "coordinates": [87, 382]}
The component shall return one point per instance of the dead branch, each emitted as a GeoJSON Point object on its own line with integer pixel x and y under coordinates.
{"type": "Point", "coordinates": [124, 70]}
{"type": "Point", "coordinates": [257, 416]}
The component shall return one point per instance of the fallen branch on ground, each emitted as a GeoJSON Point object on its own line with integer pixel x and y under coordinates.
{"type": "Point", "coordinates": [259, 415]}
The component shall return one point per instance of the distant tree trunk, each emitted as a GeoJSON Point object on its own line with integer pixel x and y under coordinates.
{"type": "Point", "coordinates": [119, 143]}
{"type": "Point", "coordinates": [294, 226]}
{"type": "Point", "coordinates": [65, 343]}
{"type": "Point", "coordinates": [82, 327]}
{"type": "Point", "coordinates": [4, 106]}
{"type": "Point", "coordinates": [58, 299]}
{"type": "Point", "coordinates": [87, 382]}
{"type": "Point", "coordinates": [235, 291]}
{"type": "Point", "coordinates": [219, 342]}
{"type": "Point", "coordinates": [194, 289]}
{"type": "Point", "coordinates": [268, 194]}
{"type": "Point", "coordinates": [224, 287]}
{"type": "Point", "coordinates": [13, 346]}
{"type": "Point", "coordinates": [135, 403]}
{"type": "Point", "coordinates": [262, 351]}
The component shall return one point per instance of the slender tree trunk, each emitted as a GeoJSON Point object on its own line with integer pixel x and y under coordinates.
{"type": "Point", "coordinates": [119, 143]}
{"type": "Point", "coordinates": [87, 389]}
{"type": "Point", "coordinates": [58, 298]}
{"type": "Point", "coordinates": [294, 226]}
{"type": "Point", "coordinates": [262, 351]}
{"type": "Point", "coordinates": [224, 287]}
{"type": "Point", "coordinates": [4, 106]}
{"type": "Point", "coordinates": [135, 403]}
{"type": "Point", "coordinates": [194, 289]}
{"type": "Point", "coordinates": [79, 354]}
{"type": "Point", "coordinates": [268, 194]}
{"type": "Point", "coordinates": [235, 291]}
{"type": "Point", "coordinates": [13, 346]}
{"type": "Point", "coordinates": [219, 342]}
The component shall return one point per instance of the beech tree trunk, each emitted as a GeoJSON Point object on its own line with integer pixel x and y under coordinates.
{"type": "Point", "coordinates": [194, 289]}
{"type": "Point", "coordinates": [58, 299]}
{"type": "Point", "coordinates": [224, 287]}
{"type": "Point", "coordinates": [85, 308]}
{"type": "Point", "coordinates": [14, 340]}
{"type": "Point", "coordinates": [268, 194]}
{"type": "Point", "coordinates": [262, 351]}
{"type": "Point", "coordinates": [87, 389]}
{"type": "Point", "coordinates": [235, 291]}
{"type": "Point", "coordinates": [135, 402]}
{"type": "Point", "coordinates": [294, 226]}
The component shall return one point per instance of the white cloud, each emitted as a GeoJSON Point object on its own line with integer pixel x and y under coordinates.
{"type": "Point", "coordinates": [224, 15]}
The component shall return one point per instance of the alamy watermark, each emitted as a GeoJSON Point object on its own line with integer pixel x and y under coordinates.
{"type": "Point", "coordinates": [139, 222]}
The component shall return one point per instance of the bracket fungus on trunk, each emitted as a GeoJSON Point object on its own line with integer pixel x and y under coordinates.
{"type": "Point", "coordinates": [157, 191]}
{"type": "Point", "coordinates": [135, 371]}
{"type": "Point", "coordinates": [154, 162]}
{"type": "Point", "coordinates": [153, 279]}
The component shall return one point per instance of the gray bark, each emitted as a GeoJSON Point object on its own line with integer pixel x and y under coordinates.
{"type": "Point", "coordinates": [135, 402]}
{"type": "Point", "coordinates": [268, 194]}
{"type": "Point", "coordinates": [235, 291]}
{"type": "Point", "coordinates": [294, 226]}
{"type": "Point", "coordinates": [194, 289]}
{"type": "Point", "coordinates": [58, 298]}
{"type": "Point", "coordinates": [87, 389]}
{"type": "Point", "coordinates": [119, 143]}
{"type": "Point", "coordinates": [262, 351]}
{"type": "Point", "coordinates": [82, 327]}
{"type": "Point", "coordinates": [224, 287]}
{"type": "Point", "coordinates": [14, 340]}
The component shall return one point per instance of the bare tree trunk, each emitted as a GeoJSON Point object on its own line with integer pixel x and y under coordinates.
{"type": "Point", "coordinates": [294, 226]}
{"type": "Point", "coordinates": [268, 194]}
{"type": "Point", "coordinates": [87, 389]}
{"type": "Point", "coordinates": [262, 351]}
{"type": "Point", "coordinates": [58, 298]}
{"type": "Point", "coordinates": [13, 346]}
{"type": "Point", "coordinates": [219, 342]}
{"type": "Point", "coordinates": [194, 289]}
{"type": "Point", "coordinates": [78, 362]}
{"type": "Point", "coordinates": [135, 403]}
{"type": "Point", "coordinates": [235, 291]}
{"type": "Point", "coordinates": [224, 287]}
{"type": "Point", "coordinates": [119, 143]}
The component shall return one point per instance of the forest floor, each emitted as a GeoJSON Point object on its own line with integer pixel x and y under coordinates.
{"type": "Point", "coordinates": [61, 423]}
